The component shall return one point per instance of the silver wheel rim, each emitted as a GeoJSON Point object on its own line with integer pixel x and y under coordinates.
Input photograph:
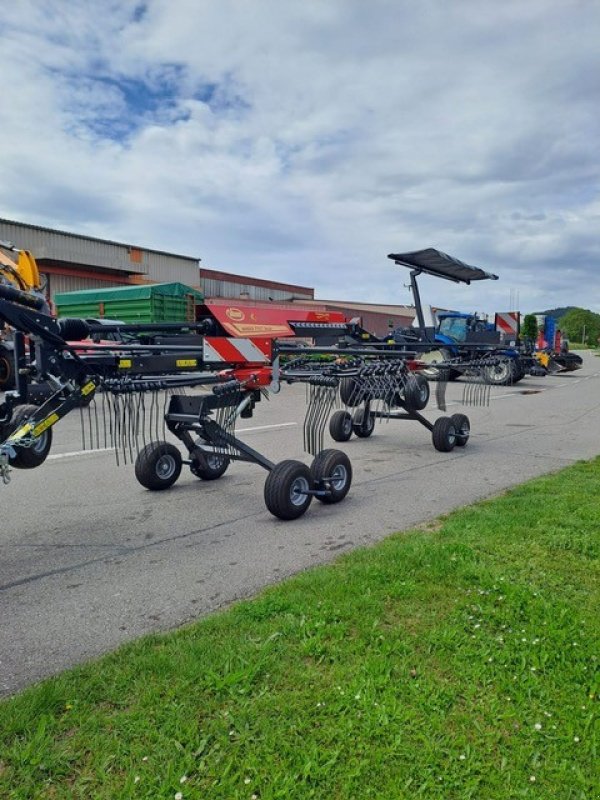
{"type": "Point", "coordinates": [165, 467]}
{"type": "Point", "coordinates": [299, 491]}
{"type": "Point", "coordinates": [347, 426]}
{"type": "Point", "coordinates": [501, 371]}
{"type": "Point", "coordinates": [339, 477]}
{"type": "Point", "coordinates": [214, 461]}
{"type": "Point", "coordinates": [39, 444]}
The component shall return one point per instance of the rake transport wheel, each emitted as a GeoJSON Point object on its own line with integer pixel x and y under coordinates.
{"type": "Point", "coordinates": [209, 466]}
{"type": "Point", "coordinates": [363, 427]}
{"type": "Point", "coordinates": [340, 426]}
{"type": "Point", "coordinates": [444, 434]}
{"type": "Point", "coordinates": [287, 489]}
{"type": "Point", "coordinates": [29, 457]}
{"type": "Point", "coordinates": [158, 466]}
{"type": "Point", "coordinates": [332, 470]}
{"type": "Point", "coordinates": [462, 427]}
{"type": "Point", "coordinates": [416, 393]}
{"type": "Point", "coordinates": [348, 392]}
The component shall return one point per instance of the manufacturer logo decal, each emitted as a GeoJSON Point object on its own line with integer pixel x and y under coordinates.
{"type": "Point", "coordinates": [235, 314]}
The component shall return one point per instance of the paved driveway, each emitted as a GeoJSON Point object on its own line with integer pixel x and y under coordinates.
{"type": "Point", "coordinates": [89, 559]}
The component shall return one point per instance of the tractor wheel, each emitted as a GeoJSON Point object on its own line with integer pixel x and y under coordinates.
{"type": "Point", "coordinates": [349, 394]}
{"type": "Point", "coordinates": [444, 434]}
{"type": "Point", "coordinates": [363, 427]}
{"type": "Point", "coordinates": [332, 470]}
{"type": "Point", "coordinates": [462, 427]}
{"type": "Point", "coordinates": [158, 466]}
{"type": "Point", "coordinates": [7, 370]}
{"type": "Point", "coordinates": [432, 373]}
{"type": "Point", "coordinates": [501, 374]}
{"type": "Point", "coordinates": [29, 457]}
{"type": "Point", "coordinates": [340, 426]}
{"type": "Point", "coordinates": [416, 393]}
{"type": "Point", "coordinates": [287, 489]}
{"type": "Point", "coordinates": [209, 466]}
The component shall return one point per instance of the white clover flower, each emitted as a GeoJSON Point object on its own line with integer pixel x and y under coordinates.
{"type": "Point", "coordinates": [532, 778]}
{"type": "Point", "coordinates": [462, 756]}
{"type": "Point", "coordinates": [538, 726]}
{"type": "Point", "coordinates": [576, 738]}
{"type": "Point", "coordinates": [183, 779]}
{"type": "Point", "coordinates": [178, 796]}
{"type": "Point", "coordinates": [136, 779]}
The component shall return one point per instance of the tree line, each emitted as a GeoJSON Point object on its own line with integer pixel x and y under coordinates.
{"type": "Point", "coordinates": [577, 324]}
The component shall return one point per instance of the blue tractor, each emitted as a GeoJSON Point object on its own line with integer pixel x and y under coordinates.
{"type": "Point", "coordinates": [457, 337]}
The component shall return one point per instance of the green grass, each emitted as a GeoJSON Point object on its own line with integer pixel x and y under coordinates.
{"type": "Point", "coordinates": [455, 661]}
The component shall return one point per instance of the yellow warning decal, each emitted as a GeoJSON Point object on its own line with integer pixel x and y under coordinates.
{"type": "Point", "coordinates": [45, 423]}
{"type": "Point", "coordinates": [186, 362]}
{"type": "Point", "coordinates": [89, 387]}
{"type": "Point", "coordinates": [124, 363]}
{"type": "Point", "coordinates": [21, 432]}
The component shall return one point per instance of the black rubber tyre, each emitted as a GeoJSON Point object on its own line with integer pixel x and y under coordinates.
{"type": "Point", "coordinates": [363, 431]}
{"type": "Point", "coordinates": [209, 466]}
{"type": "Point", "coordinates": [340, 426]}
{"type": "Point", "coordinates": [29, 457]}
{"type": "Point", "coordinates": [348, 392]}
{"type": "Point", "coordinates": [7, 370]}
{"type": "Point", "coordinates": [462, 427]}
{"type": "Point", "coordinates": [416, 393]}
{"type": "Point", "coordinates": [444, 434]}
{"type": "Point", "coordinates": [286, 489]}
{"type": "Point", "coordinates": [158, 466]}
{"type": "Point", "coordinates": [331, 469]}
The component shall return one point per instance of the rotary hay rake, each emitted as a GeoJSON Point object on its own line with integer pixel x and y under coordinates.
{"type": "Point", "coordinates": [377, 384]}
{"type": "Point", "coordinates": [129, 395]}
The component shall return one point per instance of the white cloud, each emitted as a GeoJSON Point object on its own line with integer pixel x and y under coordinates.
{"type": "Point", "coordinates": [303, 141]}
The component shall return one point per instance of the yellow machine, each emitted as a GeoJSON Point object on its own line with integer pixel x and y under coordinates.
{"type": "Point", "coordinates": [24, 275]}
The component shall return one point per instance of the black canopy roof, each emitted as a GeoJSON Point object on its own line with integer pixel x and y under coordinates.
{"type": "Point", "coordinates": [434, 262]}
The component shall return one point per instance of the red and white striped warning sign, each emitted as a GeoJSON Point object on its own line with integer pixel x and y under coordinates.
{"type": "Point", "coordinates": [507, 322]}
{"type": "Point", "coordinates": [222, 349]}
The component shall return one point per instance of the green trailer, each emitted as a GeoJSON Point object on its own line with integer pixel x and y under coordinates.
{"type": "Point", "coordinates": [153, 302]}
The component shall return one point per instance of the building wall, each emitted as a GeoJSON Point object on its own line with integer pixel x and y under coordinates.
{"type": "Point", "coordinates": [72, 261]}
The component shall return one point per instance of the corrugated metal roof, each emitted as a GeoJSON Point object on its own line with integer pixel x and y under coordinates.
{"type": "Point", "coordinates": [247, 280]}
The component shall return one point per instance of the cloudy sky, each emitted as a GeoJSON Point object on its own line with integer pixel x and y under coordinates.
{"type": "Point", "coordinates": [304, 140]}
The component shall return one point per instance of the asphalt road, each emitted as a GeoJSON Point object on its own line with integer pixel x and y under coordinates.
{"type": "Point", "coordinates": [89, 559]}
